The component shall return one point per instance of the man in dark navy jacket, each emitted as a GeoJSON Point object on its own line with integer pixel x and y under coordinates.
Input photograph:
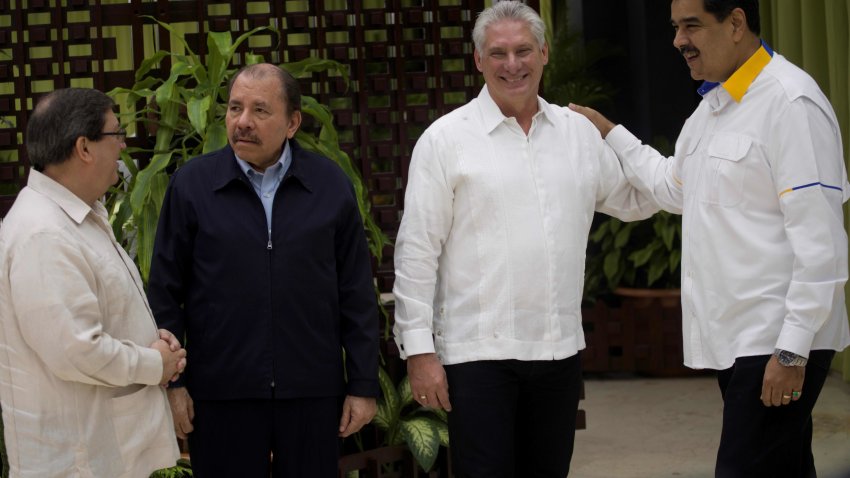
{"type": "Point", "coordinates": [261, 261]}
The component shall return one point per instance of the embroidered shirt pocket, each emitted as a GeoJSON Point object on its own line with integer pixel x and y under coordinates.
{"type": "Point", "coordinates": [724, 172]}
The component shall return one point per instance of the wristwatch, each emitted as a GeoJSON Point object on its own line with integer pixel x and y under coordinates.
{"type": "Point", "coordinates": [790, 359]}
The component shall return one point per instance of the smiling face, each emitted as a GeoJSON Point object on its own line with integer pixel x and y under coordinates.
{"type": "Point", "coordinates": [512, 63]}
{"type": "Point", "coordinates": [257, 120]}
{"type": "Point", "coordinates": [708, 45]}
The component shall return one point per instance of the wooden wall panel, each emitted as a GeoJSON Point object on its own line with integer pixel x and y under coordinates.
{"type": "Point", "coordinates": [410, 62]}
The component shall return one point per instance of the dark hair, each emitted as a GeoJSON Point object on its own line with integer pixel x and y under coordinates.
{"type": "Point", "coordinates": [290, 89]}
{"type": "Point", "coordinates": [721, 9]}
{"type": "Point", "coordinates": [59, 118]}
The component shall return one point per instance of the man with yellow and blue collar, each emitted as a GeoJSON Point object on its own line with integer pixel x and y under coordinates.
{"type": "Point", "coordinates": [758, 176]}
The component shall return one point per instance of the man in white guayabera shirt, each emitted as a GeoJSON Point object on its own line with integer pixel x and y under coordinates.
{"type": "Point", "coordinates": [82, 361]}
{"type": "Point", "coordinates": [490, 258]}
{"type": "Point", "coordinates": [758, 176]}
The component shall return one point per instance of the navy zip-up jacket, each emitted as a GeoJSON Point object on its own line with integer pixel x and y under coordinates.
{"type": "Point", "coordinates": [266, 315]}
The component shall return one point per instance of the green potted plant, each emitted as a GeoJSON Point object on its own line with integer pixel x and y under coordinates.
{"type": "Point", "coordinates": [635, 255]}
{"type": "Point", "coordinates": [638, 255]}
{"type": "Point", "coordinates": [636, 268]}
{"type": "Point", "coordinates": [402, 421]}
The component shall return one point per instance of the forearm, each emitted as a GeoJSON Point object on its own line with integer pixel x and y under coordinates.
{"type": "Point", "coordinates": [648, 170]}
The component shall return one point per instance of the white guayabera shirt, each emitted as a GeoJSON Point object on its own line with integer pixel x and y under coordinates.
{"type": "Point", "coordinates": [79, 385]}
{"type": "Point", "coordinates": [490, 253]}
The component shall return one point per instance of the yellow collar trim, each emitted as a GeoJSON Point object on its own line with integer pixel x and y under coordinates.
{"type": "Point", "coordinates": [740, 81]}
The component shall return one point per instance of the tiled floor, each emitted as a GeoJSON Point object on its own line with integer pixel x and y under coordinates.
{"type": "Point", "coordinates": [670, 427]}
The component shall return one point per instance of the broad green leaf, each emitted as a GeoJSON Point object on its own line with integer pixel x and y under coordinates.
{"type": "Point", "coordinates": [622, 237]}
{"type": "Point", "coordinates": [129, 163]}
{"type": "Point", "coordinates": [146, 223]}
{"type": "Point", "coordinates": [144, 182]}
{"type": "Point", "coordinates": [120, 213]}
{"type": "Point", "coordinates": [600, 232]}
{"type": "Point", "coordinates": [241, 38]}
{"type": "Point", "coordinates": [313, 64]}
{"type": "Point", "coordinates": [197, 109]}
{"type": "Point", "coordinates": [216, 138]}
{"type": "Point", "coordinates": [218, 44]}
{"type": "Point", "coordinates": [159, 184]}
{"type": "Point", "coordinates": [178, 35]}
{"type": "Point", "coordinates": [611, 265]}
{"type": "Point", "coordinates": [443, 429]}
{"type": "Point", "coordinates": [440, 413]}
{"type": "Point", "coordinates": [642, 256]}
{"type": "Point", "coordinates": [405, 394]}
{"type": "Point", "coordinates": [422, 436]}
{"type": "Point", "coordinates": [389, 405]}
{"type": "Point", "coordinates": [674, 259]}
{"type": "Point", "coordinates": [148, 64]}
{"type": "Point", "coordinates": [657, 267]}
{"type": "Point", "coordinates": [667, 232]}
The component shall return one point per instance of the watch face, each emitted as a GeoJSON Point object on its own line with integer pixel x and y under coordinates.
{"type": "Point", "coordinates": [789, 359]}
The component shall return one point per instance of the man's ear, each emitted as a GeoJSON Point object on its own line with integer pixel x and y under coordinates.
{"type": "Point", "coordinates": [739, 23]}
{"type": "Point", "coordinates": [81, 149]}
{"type": "Point", "coordinates": [294, 124]}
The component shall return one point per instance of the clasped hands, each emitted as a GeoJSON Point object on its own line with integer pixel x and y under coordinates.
{"type": "Point", "coordinates": [173, 356]}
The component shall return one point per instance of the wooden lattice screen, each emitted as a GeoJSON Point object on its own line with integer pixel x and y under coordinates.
{"type": "Point", "coordinates": [410, 62]}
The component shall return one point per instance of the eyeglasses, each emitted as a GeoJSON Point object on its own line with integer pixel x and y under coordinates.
{"type": "Point", "coordinates": [121, 134]}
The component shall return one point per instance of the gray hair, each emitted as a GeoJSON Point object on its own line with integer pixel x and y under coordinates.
{"type": "Point", "coordinates": [508, 10]}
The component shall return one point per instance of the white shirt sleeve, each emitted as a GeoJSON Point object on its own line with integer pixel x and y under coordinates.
{"type": "Point", "coordinates": [616, 196]}
{"type": "Point", "coordinates": [54, 295]}
{"type": "Point", "coordinates": [424, 228]}
{"type": "Point", "coordinates": [647, 169]}
{"type": "Point", "coordinates": [807, 165]}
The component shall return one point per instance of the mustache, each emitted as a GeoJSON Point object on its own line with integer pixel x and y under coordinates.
{"type": "Point", "coordinates": [687, 49]}
{"type": "Point", "coordinates": [239, 136]}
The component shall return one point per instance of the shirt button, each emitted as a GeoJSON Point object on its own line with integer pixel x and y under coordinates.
{"type": "Point", "coordinates": [267, 195]}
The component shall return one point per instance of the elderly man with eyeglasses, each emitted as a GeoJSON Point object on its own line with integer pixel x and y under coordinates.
{"type": "Point", "coordinates": [82, 363]}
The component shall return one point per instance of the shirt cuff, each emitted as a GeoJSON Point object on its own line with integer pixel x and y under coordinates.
{"type": "Point", "coordinates": [619, 138]}
{"type": "Point", "coordinates": [149, 368]}
{"type": "Point", "coordinates": [796, 340]}
{"type": "Point", "coordinates": [416, 342]}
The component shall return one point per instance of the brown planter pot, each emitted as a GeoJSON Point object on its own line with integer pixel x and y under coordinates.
{"type": "Point", "coordinates": [656, 316]}
{"type": "Point", "coordinates": [642, 335]}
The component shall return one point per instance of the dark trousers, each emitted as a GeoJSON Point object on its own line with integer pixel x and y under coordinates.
{"type": "Point", "coordinates": [512, 418]}
{"type": "Point", "coordinates": [240, 437]}
{"type": "Point", "coordinates": [759, 441]}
